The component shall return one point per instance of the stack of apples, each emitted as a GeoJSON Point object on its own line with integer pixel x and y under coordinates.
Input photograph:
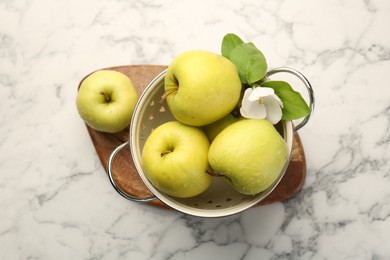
{"type": "Point", "coordinates": [180, 158]}
{"type": "Point", "coordinates": [208, 139]}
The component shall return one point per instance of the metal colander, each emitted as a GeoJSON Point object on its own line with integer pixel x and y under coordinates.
{"type": "Point", "coordinates": [220, 199]}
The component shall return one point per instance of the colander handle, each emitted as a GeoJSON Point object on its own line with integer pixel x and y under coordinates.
{"type": "Point", "coordinates": [113, 182]}
{"type": "Point", "coordinates": [307, 85]}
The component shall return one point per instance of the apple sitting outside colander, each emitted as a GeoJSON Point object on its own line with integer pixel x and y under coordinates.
{"type": "Point", "coordinates": [106, 100]}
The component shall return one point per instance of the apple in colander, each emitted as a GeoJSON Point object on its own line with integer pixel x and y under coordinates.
{"type": "Point", "coordinates": [174, 159]}
{"type": "Point", "coordinates": [250, 154]}
{"type": "Point", "coordinates": [201, 87]}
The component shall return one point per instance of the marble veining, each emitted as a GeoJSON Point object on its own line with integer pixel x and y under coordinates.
{"type": "Point", "coordinates": [56, 201]}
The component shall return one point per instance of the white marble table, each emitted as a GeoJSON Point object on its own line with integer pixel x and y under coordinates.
{"type": "Point", "coordinates": [55, 199]}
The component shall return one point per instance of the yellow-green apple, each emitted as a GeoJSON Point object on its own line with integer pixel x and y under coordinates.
{"type": "Point", "coordinates": [213, 129]}
{"type": "Point", "coordinates": [106, 100]}
{"type": "Point", "coordinates": [174, 159]}
{"type": "Point", "coordinates": [201, 87]}
{"type": "Point", "coordinates": [250, 154]}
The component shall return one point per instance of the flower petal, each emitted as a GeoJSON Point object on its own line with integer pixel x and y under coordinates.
{"type": "Point", "coordinates": [260, 92]}
{"type": "Point", "coordinates": [278, 99]}
{"type": "Point", "coordinates": [247, 93]}
{"type": "Point", "coordinates": [274, 111]}
{"type": "Point", "coordinates": [245, 104]}
{"type": "Point", "coordinates": [253, 110]}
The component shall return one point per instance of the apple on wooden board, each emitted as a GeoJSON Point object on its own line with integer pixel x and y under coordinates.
{"type": "Point", "coordinates": [174, 159]}
{"type": "Point", "coordinates": [250, 154]}
{"type": "Point", "coordinates": [106, 100]}
{"type": "Point", "coordinates": [201, 87]}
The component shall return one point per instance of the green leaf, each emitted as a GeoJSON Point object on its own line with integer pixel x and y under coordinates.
{"type": "Point", "coordinates": [250, 62]}
{"type": "Point", "coordinates": [294, 106]}
{"type": "Point", "coordinates": [229, 42]}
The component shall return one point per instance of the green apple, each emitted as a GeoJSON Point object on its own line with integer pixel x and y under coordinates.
{"type": "Point", "coordinates": [106, 100]}
{"type": "Point", "coordinates": [174, 159]}
{"type": "Point", "coordinates": [213, 129]}
{"type": "Point", "coordinates": [201, 87]}
{"type": "Point", "coordinates": [250, 154]}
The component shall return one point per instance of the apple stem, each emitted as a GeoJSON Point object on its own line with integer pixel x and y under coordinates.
{"type": "Point", "coordinates": [167, 93]}
{"type": "Point", "coordinates": [106, 96]}
{"type": "Point", "coordinates": [166, 152]}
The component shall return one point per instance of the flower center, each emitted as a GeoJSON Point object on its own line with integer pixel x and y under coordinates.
{"type": "Point", "coordinates": [260, 100]}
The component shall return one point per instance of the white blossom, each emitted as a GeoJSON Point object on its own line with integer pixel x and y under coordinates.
{"type": "Point", "coordinates": [260, 103]}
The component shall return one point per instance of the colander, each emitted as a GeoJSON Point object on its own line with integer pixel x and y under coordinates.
{"type": "Point", "coordinates": [220, 199]}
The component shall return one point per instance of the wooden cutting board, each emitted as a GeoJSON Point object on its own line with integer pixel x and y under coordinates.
{"type": "Point", "coordinates": [124, 170]}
